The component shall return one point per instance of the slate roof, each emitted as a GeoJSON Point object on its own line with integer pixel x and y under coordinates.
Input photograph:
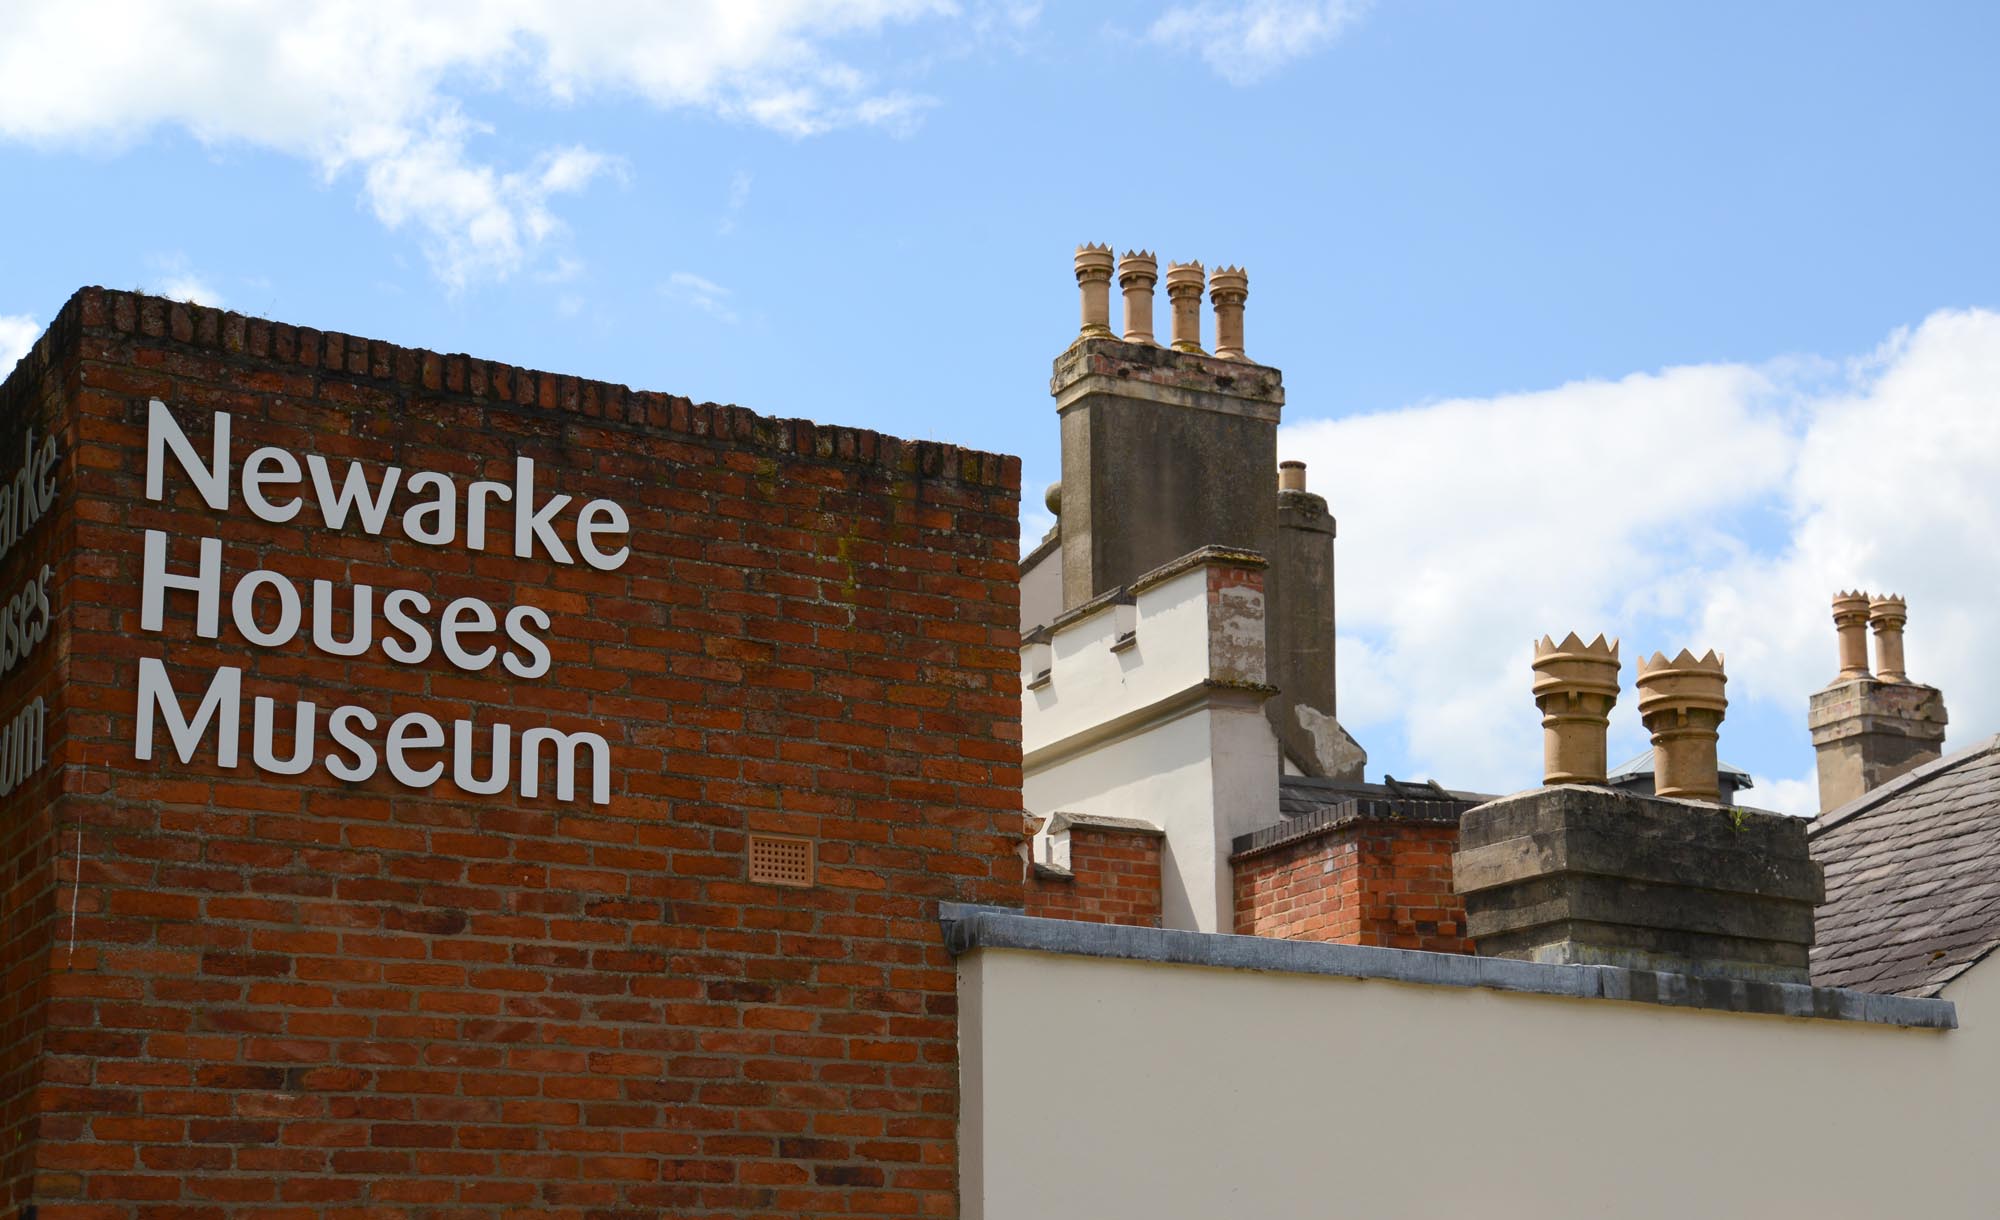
{"type": "Point", "coordinates": [1308, 806]}
{"type": "Point", "coordinates": [1642, 764]}
{"type": "Point", "coordinates": [1912, 878]}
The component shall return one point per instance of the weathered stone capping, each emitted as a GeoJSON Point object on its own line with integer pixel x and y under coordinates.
{"type": "Point", "coordinates": [354, 356]}
{"type": "Point", "coordinates": [968, 928]}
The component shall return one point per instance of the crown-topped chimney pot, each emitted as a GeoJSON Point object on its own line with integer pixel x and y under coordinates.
{"type": "Point", "coordinates": [1138, 271]}
{"type": "Point", "coordinates": [1093, 279]}
{"type": "Point", "coordinates": [1576, 685]}
{"type": "Point", "coordinates": [1184, 281]}
{"type": "Point", "coordinates": [1228, 288]}
{"type": "Point", "coordinates": [1850, 620]}
{"type": "Point", "coordinates": [1682, 705]}
{"type": "Point", "coordinates": [1887, 616]}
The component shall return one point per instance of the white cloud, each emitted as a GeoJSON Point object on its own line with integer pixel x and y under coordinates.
{"type": "Point", "coordinates": [739, 198]}
{"type": "Point", "coordinates": [1799, 796]}
{"type": "Point", "coordinates": [706, 295]}
{"type": "Point", "coordinates": [383, 90]}
{"type": "Point", "coordinates": [1708, 506]}
{"type": "Point", "coordinates": [18, 333]}
{"type": "Point", "coordinates": [1247, 40]}
{"type": "Point", "coordinates": [177, 281]}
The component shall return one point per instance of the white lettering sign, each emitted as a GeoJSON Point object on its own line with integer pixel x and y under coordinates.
{"type": "Point", "coordinates": [271, 610]}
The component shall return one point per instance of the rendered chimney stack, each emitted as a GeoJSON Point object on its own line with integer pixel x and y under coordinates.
{"type": "Point", "coordinates": [1184, 282]}
{"type": "Point", "coordinates": [1291, 476]}
{"type": "Point", "coordinates": [1682, 704]}
{"type": "Point", "coordinates": [1228, 288]}
{"type": "Point", "coordinates": [1576, 685]}
{"type": "Point", "coordinates": [1887, 616]}
{"type": "Point", "coordinates": [1850, 620]}
{"type": "Point", "coordinates": [1138, 271]}
{"type": "Point", "coordinates": [1093, 278]}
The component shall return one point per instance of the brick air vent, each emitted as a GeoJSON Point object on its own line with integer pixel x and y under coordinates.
{"type": "Point", "coordinates": [781, 860]}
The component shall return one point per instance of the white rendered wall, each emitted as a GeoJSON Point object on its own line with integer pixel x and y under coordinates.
{"type": "Point", "coordinates": [1140, 732]}
{"type": "Point", "coordinates": [1122, 1090]}
{"type": "Point", "coordinates": [1041, 591]}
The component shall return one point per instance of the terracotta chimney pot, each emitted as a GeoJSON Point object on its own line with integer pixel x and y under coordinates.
{"type": "Point", "coordinates": [1184, 281]}
{"type": "Point", "coordinates": [1887, 616]}
{"type": "Point", "coordinates": [1138, 271]}
{"type": "Point", "coordinates": [1093, 278]}
{"type": "Point", "coordinates": [1575, 686]}
{"type": "Point", "coordinates": [1850, 619]}
{"type": "Point", "coordinates": [1228, 288]}
{"type": "Point", "coordinates": [1682, 703]}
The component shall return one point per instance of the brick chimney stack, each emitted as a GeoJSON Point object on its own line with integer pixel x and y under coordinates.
{"type": "Point", "coordinates": [1869, 728]}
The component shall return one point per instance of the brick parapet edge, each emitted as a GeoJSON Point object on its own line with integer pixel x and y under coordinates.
{"type": "Point", "coordinates": [231, 333]}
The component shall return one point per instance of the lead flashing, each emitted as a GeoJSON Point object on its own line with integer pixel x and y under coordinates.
{"type": "Point", "coordinates": [968, 928]}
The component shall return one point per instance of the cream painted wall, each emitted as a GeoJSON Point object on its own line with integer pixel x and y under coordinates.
{"type": "Point", "coordinates": [1142, 732]}
{"type": "Point", "coordinates": [1203, 774]}
{"type": "Point", "coordinates": [1041, 592]}
{"type": "Point", "coordinates": [1115, 1089]}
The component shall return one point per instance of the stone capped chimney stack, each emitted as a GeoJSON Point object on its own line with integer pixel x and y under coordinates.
{"type": "Point", "coordinates": [1581, 874]}
{"type": "Point", "coordinates": [1869, 729]}
{"type": "Point", "coordinates": [1682, 705]}
{"type": "Point", "coordinates": [1576, 685]}
{"type": "Point", "coordinates": [1168, 450]}
{"type": "Point", "coordinates": [1299, 589]}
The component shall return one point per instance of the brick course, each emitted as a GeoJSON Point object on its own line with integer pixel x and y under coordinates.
{"type": "Point", "coordinates": [291, 996]}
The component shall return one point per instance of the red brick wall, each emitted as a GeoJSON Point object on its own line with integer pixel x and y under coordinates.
{"type": "Point", "coordinates": [1114, 877]}
{"type": "Point", "coordinates": [33, 914]}
{"type": "Point", "coordinates": [1364, 883]}
{"type": "Point", "coordinates": [299, 996]}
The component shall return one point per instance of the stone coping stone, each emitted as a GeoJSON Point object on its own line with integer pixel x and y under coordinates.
{"type": "Point", "coordinates": [1059, 822]}
{"type": "Point", "coordinates": [968, 928]}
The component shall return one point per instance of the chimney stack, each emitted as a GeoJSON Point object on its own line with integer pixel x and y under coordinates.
{"type": "Point", "coordinates": [1682, 705]}
{"type": "Point", "coordinates": [1579, 874]}
{"type": "Point", "coordinates": [1867, 729]}
{"type": "Point", "coordinates": [1298, 586]}
{"type": "Point", "coordinates": [1576, 685]}
{"type": "Point", "coordinates": [1168, 450]}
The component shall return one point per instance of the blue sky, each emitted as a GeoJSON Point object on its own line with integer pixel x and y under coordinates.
{"type": "Point", "coordinates": [1703, 288]}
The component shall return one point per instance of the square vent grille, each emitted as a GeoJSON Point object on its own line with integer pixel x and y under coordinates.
{"type": "Point", "coordinates": [781, 860]}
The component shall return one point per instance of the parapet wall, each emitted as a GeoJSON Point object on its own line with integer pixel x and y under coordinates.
{"type": "Point", "coordinates": [415, 962]}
